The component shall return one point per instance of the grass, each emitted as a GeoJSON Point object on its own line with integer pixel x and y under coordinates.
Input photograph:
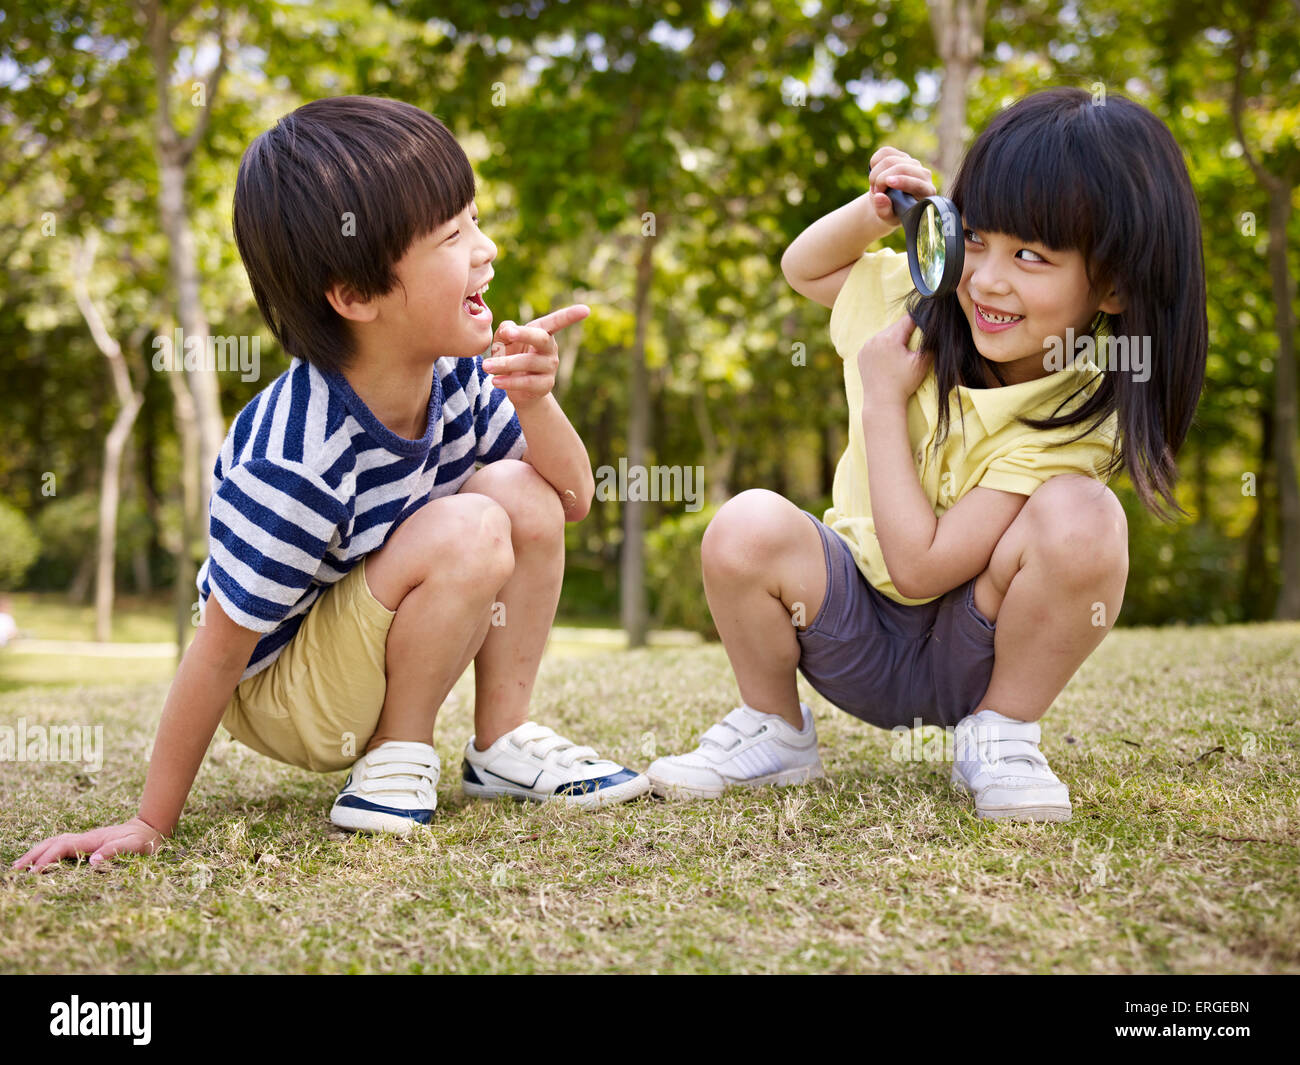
{"type": "Point", "coordinates": [1180, 748]}
{"type": "Point", "coordinates": [50, 616]}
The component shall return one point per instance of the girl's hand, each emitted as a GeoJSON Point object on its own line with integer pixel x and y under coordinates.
{"type": "Point", "coordinates": [891, 168]}
{"type": "Point", "coordinates": [131, 837]}
{"type": "Point", "coordinates": [891, 371]}
{"type": "Point", "coordinates": [525, 358]}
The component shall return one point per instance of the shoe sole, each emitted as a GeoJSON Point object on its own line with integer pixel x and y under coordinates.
{"type": "Point", "coordinates": [667, 789]}
{"type": "Point", "coordinates": [1028, 812]}
{"type": "Point", "coordinates": [628, 790]}
{"type": "Point", "coordinates": [352, 819]}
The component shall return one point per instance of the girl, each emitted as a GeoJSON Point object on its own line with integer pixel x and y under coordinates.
{"type": "Point", "coordinates": [965, 581]}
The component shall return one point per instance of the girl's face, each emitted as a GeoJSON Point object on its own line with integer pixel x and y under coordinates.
{"type": "Point", "coordinates": [1019, 295]}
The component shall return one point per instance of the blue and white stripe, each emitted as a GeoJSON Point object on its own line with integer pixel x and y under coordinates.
{"type": "Point", "coordinates": [309, 481]}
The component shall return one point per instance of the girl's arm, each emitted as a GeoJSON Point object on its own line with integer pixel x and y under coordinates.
{"type": "Point", "coordinates": [926, 556]}
{"type": "Point", "coordinates": [821, 257]}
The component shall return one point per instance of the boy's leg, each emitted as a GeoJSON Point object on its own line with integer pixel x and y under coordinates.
{"type": "Point", "coordinates": [764, 571]}
{"type": "Point", "coordinates": [1054, 586]}
{"type": "Point", "coordinates": [509, 755]}
{"type": "Point", "coordinates": [441, 572]}
{"type": "Point", "coordinates": [505, 667]}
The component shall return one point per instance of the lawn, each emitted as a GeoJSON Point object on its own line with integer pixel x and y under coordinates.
{"type": "Point", "coordinates": [1179, 745]}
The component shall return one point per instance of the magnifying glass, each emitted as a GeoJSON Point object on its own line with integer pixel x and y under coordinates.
{"type": "Point", "coordinates": [935, 243]}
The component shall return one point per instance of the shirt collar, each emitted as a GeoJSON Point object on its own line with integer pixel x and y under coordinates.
{"type": "Point", "coordinates": [998, 407]}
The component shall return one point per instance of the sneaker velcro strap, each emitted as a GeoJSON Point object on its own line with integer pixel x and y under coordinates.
{"type": "Point", "coordinates": [1016, 751]}
{"type": "Point", "coordinates": [722, 735]}
{"type": "Point", "coordinates": [745, 721]}
{"type": "Point", "coordinates": [1019, 730]}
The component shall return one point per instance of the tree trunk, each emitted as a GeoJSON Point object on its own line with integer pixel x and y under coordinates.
{"type": "Point", "coordinates": [1257, 589]}
{"type": "Point", "coordinates": [175, 155]}
{"type": "Point", "coordinates": [132, 489]}
{"type": "Point", "coordinates": [958, 28]}
{"type": "Point", "coordinates": [202, 380]}
{"type": "Point", "coordinates": [632, 562]}
{"type": "Point", "coordinates": [185, 594]}
{"type": "Point", "coordinates": [83, 259]}
{"type": "Point", "coordinates": [79, 589]}
{"type": "Point", "coordinates": [1286, 428]}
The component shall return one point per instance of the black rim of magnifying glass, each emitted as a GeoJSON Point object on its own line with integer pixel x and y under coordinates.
{"type": "Point", "coordinates": [910, 211]}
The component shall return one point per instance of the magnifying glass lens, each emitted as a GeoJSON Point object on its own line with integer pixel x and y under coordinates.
{"type": "Point", "coordinates": [930, 245]}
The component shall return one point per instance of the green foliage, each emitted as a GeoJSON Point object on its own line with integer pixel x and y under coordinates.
{"type": "Point", "coordinates": [673, 573]}
{"type": "Point", "coordinates": [1188, 573]}
{"type": "Point", "coordinates": [735, 126]}
{"type": "Point", "coordinates": [68, 530]}
{"type": "Point", "coordinates": [19, 546]}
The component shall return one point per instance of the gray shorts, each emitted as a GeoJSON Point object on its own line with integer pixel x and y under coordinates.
{"type": "Point", "coordinates": [889, 663]}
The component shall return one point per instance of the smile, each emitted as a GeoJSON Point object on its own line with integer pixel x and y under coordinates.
{"type": "Point", "coordinates": [992, 322]}
{"type": "Point", "coordinates": [474, 305]}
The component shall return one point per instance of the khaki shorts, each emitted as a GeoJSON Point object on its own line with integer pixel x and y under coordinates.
{"type": "Point", "coordinates": [317, 704]}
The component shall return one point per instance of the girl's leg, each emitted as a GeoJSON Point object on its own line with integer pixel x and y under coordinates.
{"type": "Point", "coordinates": [764, 575]}
{"type": "Point", "coordinates": [1054, 586]}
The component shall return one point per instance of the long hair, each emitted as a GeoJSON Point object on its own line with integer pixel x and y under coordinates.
{"type": "Point", "coordinates": [1105, 178]}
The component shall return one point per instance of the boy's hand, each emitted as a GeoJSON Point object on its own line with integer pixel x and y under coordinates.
{"type": "Point", "coordinates": [525, 357]}
{"type": "Point", "coordinates": [891, 168]}
{"type": "Point", "coordinates": [131, 837]}
{"type": "Point", "coordinates": [891, 371]}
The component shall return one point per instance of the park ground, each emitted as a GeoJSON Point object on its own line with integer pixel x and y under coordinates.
{"type": "Point", "coordinates": [1180, 746]}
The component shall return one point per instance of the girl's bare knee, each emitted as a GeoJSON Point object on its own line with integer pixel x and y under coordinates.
{"type": "Point", "coordinates": [748, 530]}
{"type": "Point", "coordinates": [1078, 529]}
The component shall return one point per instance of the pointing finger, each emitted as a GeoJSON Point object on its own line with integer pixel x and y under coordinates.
{"type": "Point", "coordinates": [565, 316]}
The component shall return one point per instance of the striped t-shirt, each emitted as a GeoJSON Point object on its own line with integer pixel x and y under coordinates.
{"type": "Point", "coordinates": [309, 481]}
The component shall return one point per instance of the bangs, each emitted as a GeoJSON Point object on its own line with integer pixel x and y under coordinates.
{"type": "Point", "coordinates": [1034, 174]}
{"type": "Point", "coordinates": [396, 167]}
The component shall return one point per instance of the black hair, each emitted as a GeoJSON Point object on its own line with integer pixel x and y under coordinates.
{"type": "Point", "coordinates": [1105, 177]}
{"type": "Point", "coordinates": [336, 192]}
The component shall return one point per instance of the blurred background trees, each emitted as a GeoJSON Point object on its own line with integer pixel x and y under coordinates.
{"type": "Point", "coordinates": [652, 160]}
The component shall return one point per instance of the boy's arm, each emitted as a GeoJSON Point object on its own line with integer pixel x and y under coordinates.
{"type": "Point", "coordinates": [207, 677]}
{"type": "Point", "coordinates": [926, 556]}
{"type": "Point", "coordinates": [817, 263]}
{"type": "Point", "coordinates": [523, 364]}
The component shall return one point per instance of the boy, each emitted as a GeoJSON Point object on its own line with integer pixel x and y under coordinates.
{"type": "Point", "coordinates": [359, 561]}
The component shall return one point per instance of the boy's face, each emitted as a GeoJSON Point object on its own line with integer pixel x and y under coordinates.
{"type": "Point", "coordinates": [436, 309]}
{"type": "Point", "coordinates": [1044, 292]}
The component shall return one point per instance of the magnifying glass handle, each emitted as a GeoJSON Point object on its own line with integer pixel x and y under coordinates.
{"type": "Point", "coordinates": [902, 202]}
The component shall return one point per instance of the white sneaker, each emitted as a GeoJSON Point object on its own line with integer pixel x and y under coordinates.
{"type": "Point", "coordinates": [746, 748]}
{"type": "Point", "coordinates": [998, 761]}
{"type": "Point", "coordinates": [390, 789]}
{"type": "Point", "coordinates": [533, 762]}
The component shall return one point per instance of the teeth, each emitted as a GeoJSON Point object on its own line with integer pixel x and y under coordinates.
{"type": "Point", "coordinates": [1000, 318]}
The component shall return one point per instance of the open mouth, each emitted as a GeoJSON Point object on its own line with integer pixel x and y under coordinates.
{"type": "Point", "coordinates": [991, 321]}
{"type": "Point", "coordinates": [474, 305]}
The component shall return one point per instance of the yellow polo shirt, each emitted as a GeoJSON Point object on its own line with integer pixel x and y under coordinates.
{"type": "Point", "coordinates": [986, 446]}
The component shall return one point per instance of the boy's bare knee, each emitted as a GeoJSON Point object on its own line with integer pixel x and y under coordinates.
{"type": "Point", "coordinates": [475, 548]}
{"type": "Point", "coordinates": [535, 511]}
{"type": "Point", "coordinates": [452, 540]}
